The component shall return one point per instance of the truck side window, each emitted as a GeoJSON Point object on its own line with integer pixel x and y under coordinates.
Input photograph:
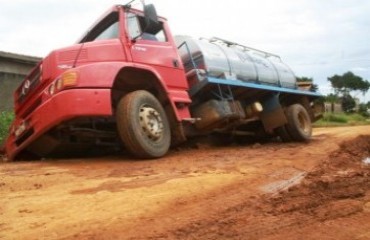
{"type": "Point", "coordinates": [133, 25]}
{"type": "Point", "coordinates": [137, 26]}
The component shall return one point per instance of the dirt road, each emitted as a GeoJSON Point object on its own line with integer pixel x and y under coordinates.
{"type": "Point", "coordinates": [319, 190]}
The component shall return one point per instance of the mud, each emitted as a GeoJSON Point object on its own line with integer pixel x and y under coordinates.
{"type": "Point", "coordinates": [338, 188]}
{"type": "Point", "coordinates": [319, 190]}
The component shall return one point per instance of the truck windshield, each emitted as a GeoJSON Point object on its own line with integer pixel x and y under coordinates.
{"type": "Point", "coordinates": [108, 28]}
{"type": "Point", "coordinates": [109, 33]}
{"type": "Point", "coordinates": [138, 28]}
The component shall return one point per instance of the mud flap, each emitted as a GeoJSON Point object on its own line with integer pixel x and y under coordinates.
{"type": "Point", "coordinates": [273, 115]}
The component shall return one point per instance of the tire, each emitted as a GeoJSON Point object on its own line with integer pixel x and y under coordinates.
{"type": "Point", "coordinates": [299, 124]}
{"type": "Point", "coordinates": [282, 132]}
{"type": "Point", "coordinates": [143, 125]}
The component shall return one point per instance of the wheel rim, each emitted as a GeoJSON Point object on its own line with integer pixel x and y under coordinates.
{"type": "Point", "coordinates": [304, 124]}
{"type": "Point", "coordinates": [151, 122]}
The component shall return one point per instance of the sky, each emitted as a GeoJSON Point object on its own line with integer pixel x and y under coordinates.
{"type": "Point", "coordinates": [316, 38]}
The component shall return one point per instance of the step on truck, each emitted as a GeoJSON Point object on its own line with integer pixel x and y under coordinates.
{"type": "Point", "coordinates": [128, 82]}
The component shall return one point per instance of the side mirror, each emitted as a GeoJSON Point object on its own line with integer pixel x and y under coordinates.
{"type": "Point", "coordinates": [150, 13]}
{"type": "Point", "coordinates": [151, 24]}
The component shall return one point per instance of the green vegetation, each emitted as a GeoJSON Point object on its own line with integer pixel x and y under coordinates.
{"type": "Point", "coordinates": [348, 82]}
{"type": "Point", "coordinates": [314, 87]}
{"type": "Point", "coordinates": [364, 109]}
{"type": "Point", "coordinates": [341, 119]}
{"type": "Point", "coordinates": [5, 120]}
{"type": "Point", "coordinates": [345, 86]}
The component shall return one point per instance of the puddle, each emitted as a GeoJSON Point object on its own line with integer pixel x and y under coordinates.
{"type": "Point", "coordinates": [366, 161]}
{"type": "Point", "coordinates": [284, 184]}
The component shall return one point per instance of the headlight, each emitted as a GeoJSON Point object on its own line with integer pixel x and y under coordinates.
{"type": "Point", "coordinates": [20, 129]}
{"type": "Point", "coordinates": [59, 84]}
{"type": "Point", "coordinates": [52, 88]}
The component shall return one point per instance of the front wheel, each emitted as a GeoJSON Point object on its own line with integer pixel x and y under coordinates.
{"type": "Point", "coordinates": [142, 125]}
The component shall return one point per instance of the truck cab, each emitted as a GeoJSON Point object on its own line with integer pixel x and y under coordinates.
{"type": "Point", "coordinates": [127, 82]}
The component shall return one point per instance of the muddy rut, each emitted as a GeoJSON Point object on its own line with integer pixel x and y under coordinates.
{"type": "Point", "coordinates": [318, 190]}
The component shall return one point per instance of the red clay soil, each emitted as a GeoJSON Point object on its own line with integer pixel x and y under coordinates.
{"type": "Point", "coordinates": [316, 190]}
{"type": "Point", "coordinates": [334, 192]}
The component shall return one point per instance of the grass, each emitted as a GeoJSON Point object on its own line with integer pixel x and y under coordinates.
{"type": "Point", "coordinates": [342, 119]}
{"type": "Point", "coordinates": [6, 119]}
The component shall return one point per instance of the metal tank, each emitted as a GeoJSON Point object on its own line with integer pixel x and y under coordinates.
{"type": "Point", "coordinates": [223, 59]}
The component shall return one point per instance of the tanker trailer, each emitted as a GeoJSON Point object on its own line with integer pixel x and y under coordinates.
{"type": "Point", "coordinates": [244, 91]}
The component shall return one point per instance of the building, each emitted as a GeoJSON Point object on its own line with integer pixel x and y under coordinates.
{"type": "Point", "coordinates": [333, 107]}
{"type": "Point", "coordinates": [13, 69]}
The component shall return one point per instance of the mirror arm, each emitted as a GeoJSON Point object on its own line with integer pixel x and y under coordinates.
{"type": "Point", "coordinates": [137, 37]}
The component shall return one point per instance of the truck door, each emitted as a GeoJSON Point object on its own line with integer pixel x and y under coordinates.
{"type": "Point", "coordinates": [150, 45]}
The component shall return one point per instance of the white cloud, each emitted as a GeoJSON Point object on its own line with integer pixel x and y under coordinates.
{"type": "Point", "coordinates": [360, 69]}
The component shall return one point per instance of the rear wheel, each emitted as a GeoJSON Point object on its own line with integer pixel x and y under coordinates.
{"type": "Point", "coordinates": [299, 124]}
{"type": "Point", "coordinates": [283, 133]}
{"type": "Point", "coordinates": [142, 125]}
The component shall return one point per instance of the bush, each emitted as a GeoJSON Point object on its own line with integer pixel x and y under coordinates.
{"type": "Point", "coordinates": [341, 119]}
{"type": "Point", "coordinates": [357, 118]}
{"type": "Point", "coordinates": [6, 119]}
{"type": "Point", "coordinates": [335, 118]}
{"type": "Point", "coordinates": [363, 110]}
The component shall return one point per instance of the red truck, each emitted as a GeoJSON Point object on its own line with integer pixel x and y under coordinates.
{"type": "Point", "coordinates": [129, 82]}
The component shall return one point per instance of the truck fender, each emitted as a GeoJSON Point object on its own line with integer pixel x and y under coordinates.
{"type": "Point", "coordinates": [147, 78]}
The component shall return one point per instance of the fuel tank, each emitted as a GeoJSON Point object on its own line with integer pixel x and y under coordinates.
{"type": "Point", "coordinates": [223, 59]}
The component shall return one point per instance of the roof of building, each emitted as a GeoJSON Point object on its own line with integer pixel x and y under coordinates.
{"type": "Point", "coordinates": [19, 57]}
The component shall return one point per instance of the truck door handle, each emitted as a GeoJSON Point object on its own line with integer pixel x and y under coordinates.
{"type": "Point", "coordinates": [175, 63]}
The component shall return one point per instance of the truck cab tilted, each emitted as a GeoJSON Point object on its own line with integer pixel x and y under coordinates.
{"type": "Point", "coordinates": [128, 80]}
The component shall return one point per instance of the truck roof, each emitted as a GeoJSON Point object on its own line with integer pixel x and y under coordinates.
{"type": "Point", "coordinates": [114, 8]}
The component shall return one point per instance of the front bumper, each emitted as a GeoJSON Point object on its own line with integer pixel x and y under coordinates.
{"type": "Point", "coordinates": [61, 107]}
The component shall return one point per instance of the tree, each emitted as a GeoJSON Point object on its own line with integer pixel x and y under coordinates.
{"type": "Point", "coordinates": [348, 82]}
{"type": "Point", "coordinates": [313, 88]}
{"type": "Point", "coordinates": [363, 109]}
{"type": "Point", "coordinates": [332, 98]}
{"type": "Point", "coordinates": [304, 79]}
{"type": "Point", "coordinates": [348, 103]}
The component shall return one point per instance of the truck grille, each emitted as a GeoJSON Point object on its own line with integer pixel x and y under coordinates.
{"type": "Point", "coordinates": [31, 82]}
